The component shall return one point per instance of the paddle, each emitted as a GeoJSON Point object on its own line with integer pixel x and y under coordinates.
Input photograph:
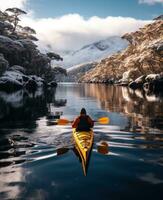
{"type": "Point", "coordinates": [102, 120]}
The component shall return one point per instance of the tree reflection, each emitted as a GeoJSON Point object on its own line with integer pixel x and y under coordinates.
{"type": "Point", "coordinates": [22, 109]}
{"type": "Point", "coordinates": [143, 110]}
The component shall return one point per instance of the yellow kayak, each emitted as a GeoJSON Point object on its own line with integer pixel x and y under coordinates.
{"type": "Point", "coordinates": [83, 142]}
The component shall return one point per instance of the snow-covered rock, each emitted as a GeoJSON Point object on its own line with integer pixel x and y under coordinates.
{"type": "Point", "coordinates": [8, 45]}
{"type": "Point", "coordinates": [93, 52]}
{"type": "Point", "coordinates": [17, 68]}
{"type": "Point", "coordinates": [5, 25]}
{"type": "Point", "coordinates": [13, 80]}
{"type": "Point", "coordinates": [9, 84]}
{"type": "Point", "coordinates": [151, 77]}
{"type": "Point", "coordinates": [129, 75]}
{"type": "Point", "coordinates": [31, 85]}
{"type": "Point", "coordinates": [27, 43]}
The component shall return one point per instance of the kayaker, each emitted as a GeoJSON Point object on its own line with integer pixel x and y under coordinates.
{"type": "Point", "coordinates": [83, 122]}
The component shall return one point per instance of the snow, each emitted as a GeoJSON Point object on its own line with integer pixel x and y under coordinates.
{"type": "Point", "coordinates": [13, 77]}
{"type": "Point", "coordinates": [16, 77]}
{"type": "Point", "coordinates": [93, 52]}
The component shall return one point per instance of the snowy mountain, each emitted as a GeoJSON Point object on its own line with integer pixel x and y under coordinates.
{"type": "Point", "coordinates": [93, 52]}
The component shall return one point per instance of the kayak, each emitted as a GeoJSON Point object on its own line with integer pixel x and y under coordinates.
{"type": "Point", "coordinates": [83, 143]}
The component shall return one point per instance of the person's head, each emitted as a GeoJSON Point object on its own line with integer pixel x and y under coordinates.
{"type": "Point", "coordinates": [83, 111]}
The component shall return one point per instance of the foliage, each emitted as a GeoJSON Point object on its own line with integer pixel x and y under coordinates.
{"type": "Point", "coordinates": [18, 48]}
{"type": "Point", "coordinates": [54, 56]}
{"type": "Point", "coordinates": [13, 17]}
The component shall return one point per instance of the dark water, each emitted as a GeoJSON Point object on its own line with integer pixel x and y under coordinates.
{"type": "Point", "coordinates": [39, 162]}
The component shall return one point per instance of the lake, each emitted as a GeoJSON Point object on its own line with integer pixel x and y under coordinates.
{"type": "Point", "coordinates": [38, 160]}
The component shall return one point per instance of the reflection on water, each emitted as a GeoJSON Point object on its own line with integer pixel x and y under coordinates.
{"type": "Point", "coordinates": [103, 148]}
{"type": "Point", "coordinates": [145, 112]}
{"type": "Point", "coordinates": [23, 108]}
{"type": "Point", "coordinates": [38, 161]}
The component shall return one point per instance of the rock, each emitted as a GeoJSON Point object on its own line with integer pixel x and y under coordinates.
{"type": "Point", "coordinates": [5, 25]}
{"type": "Point", "coordinates": [25, 78]}
{"type": "Point", "coordinates": [151, 77]}
{"type": "Point", "coordinates": [11, 49]}
{"type": "Point", "coordinates": [148, 87]}
{"type": "Point", "coordinates": [140, 81]}
{"type": "Point", "coordinates": [8, 45]}
{"type": "Point", "coordinates": [19, 80]}
{"type": "Point", "coordinates": [158, 85]}
{"type": "Point", "coordinates": [40, 82]}
{"type": "Point", "coordinates": [31, 85]}
{"type": "Point", "coordinates": [28, 44]}
{"type": "Point", "coordinates": [159, 18]}
{"type": "Point", "coordinates": [154, 83]}
{"type": "Point", "coordinates": [158, 47]}
{"type": "Point", "coordinates": [123, 83]}
{"type": "Point", "coordinates": [128, 78]}
{"type": "Point", "coordinates": [3, 64]}
{"type": "Point", "coordinates": [10, 85]}
{"type": "Point", "coordinates": [17, 68]}
{"type": "Point", "coordinates": [133, 85]}
{"type": "Point", "coordinates": [11, 75]}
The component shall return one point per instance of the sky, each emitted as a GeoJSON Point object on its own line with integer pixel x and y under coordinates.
{"type": "Point", "coordinates": [70, 24]}
{"type": "Point", "coordinates": [140, 9]}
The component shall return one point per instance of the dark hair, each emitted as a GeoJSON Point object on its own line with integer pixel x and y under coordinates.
{"type": "Point", "coordinates": [83, 111]}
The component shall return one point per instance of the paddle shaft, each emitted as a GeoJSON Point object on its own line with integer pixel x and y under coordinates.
{"type": "Point", "coordinates": [102, 120]}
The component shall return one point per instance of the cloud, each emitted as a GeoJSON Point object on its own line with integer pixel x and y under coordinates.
{"type": "Point", "coordinates": [4, 4]}
{"type": "Point", "coordinates": [72, 31]}
{"type": "Point", "coordinates": [150, 2]}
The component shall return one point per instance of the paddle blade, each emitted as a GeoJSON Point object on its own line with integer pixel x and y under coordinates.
{"type": "Point", "coordinates": [103, 120]}
{"type": "Point", "coordinates": [63, 121]}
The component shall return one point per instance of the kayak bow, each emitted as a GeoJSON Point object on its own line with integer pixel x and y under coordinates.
{"type": "Point", "coordinates": [83, 142]}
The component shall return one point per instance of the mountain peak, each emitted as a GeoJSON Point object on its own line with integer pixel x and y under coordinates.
{"type": "Point", "coordinates": [94, 51]}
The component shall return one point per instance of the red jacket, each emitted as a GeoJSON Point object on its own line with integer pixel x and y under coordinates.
{"type": "Point", "coordinates": [77, 121]}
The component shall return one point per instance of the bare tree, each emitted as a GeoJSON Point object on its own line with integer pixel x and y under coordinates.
{"type": "Point", "coordinates": [13, 18]}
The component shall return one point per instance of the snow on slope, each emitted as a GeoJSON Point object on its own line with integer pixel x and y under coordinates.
{"type": "Point", "coordinates": [93, 52]}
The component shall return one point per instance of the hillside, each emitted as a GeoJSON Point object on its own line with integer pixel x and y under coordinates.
{"type": "Point", "coordinates": [143, 56]}
{"type": "Point", "coordinates": [76, 72]}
